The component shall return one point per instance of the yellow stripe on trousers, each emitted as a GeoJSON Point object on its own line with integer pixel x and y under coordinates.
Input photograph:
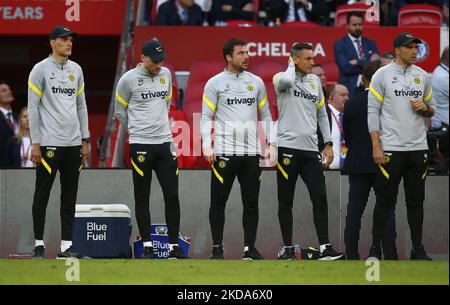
{"type": "Point", "coordinates": [385, 173]}
{"type": "Point", "coordinates": [47, 167]}
{"type": "Point", "coordinates": [138, 170]}
{"type": "Point", "coordinates": [282, 171]}
{"type": "Point", "coordinates": [217, 174]}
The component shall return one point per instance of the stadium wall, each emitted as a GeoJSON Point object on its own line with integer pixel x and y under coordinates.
{"type": "Point", "coordinates": [109, 186]}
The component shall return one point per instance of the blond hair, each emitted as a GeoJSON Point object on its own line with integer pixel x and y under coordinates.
{"type": "Point", "coordinates": [20, 134]}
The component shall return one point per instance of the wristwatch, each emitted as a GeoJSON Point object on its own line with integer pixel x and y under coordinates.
{"type": "Point", "coordinates": [87, 140]}
{"type": "Point", "coordinates": [328, 143]}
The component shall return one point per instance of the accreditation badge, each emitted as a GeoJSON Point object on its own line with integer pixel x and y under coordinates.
{"type": "Point", "coordinates": [344, 149]}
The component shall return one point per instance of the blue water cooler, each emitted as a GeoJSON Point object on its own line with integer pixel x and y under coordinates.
{"type": "Point", "coordinates": [102, 231]}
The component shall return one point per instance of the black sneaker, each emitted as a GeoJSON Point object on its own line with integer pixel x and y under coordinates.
{"type": "Point", "coordinates": [252, 254]}
{"type": "Point", "coordinates": [217, 252]}
{"type": "Point", "coordinates": [287, 254]}
{"type": "Point", "coordinates": [420, 254]}
{"type": "Point", "coordinates": [374, 252]}
{"type": "Point", "coordinates": [148, 253]}
{"type": "Point", "coordinates": [69, 253]}
{"type": "Point", "coordinates": [329, 254]}
{"type": "Point", "coordinates": [39, 252]}
{"type": "Point", "coordinates": [176, 253]}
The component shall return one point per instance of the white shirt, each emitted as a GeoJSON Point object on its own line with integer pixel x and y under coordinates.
{"type": "Point", "coordinates": [336, 135]}
{"type": "Point", "coordinates": [204, 4]}
{"type": "Point", "coordinates": [15, 124]}
{"type": "Point", "coordinates": [355, 45]}
{"type": "Point", "coordinates": [301, 11]}
{"type": "Point", "coordinates": [439, 82]}
{"type": "Point", "coordinates": [25, 153]}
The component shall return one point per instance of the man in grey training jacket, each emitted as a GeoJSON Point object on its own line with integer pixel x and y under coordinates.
{"type": "Point", "coordinates": [143, 97]}
{"type": "Point", "coordinates": [400, 98]}
{"type": "Point", "coordinates": [301, 105]}
{"type": "Point", "coordinates": [235, 97]}
{"type": "Point", "coordinates": [59, 135]}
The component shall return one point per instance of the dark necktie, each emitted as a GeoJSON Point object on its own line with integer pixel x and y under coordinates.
{"type": "Point", "coordinates": [10, 118]}
{"type": "Point", "coordinates": [360, 49]}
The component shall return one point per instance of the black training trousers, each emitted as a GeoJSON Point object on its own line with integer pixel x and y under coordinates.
{"type": "Point", "coordinates": [412, 166]}
{"type": "Point", "coordinates": [358, 194]}
{"type": "Point", "coordinates": [307, 164]}
{"type": "Point", "coordinates": [223, 173]}
{"type": "Point", "coordinates": [68, 161]}
{"type": "Point", "coordinates": [157, 157]}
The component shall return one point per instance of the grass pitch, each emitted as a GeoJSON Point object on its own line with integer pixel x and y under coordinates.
{"type": "Point", "coordinates": [227, 272]}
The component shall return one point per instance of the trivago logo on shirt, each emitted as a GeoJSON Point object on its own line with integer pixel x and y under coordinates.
{"type": "Point", "coordinates": [67, 91]}
{"type": "Point", "coordinates": [408, 93]}
{"type": "Point", "coordinates": [152, 95]}
{"type": "Point", "coordinates": [241, 101]}
{"type": "Point", "coordinates": [306, 95]}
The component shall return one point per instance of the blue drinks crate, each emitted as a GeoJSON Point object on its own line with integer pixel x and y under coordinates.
{"type": "Point", "coordinates": [160, 241]}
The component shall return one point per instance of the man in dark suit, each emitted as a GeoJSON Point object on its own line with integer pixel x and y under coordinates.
{"type": "Point", "coordinates": [362, 171]}
{"type": "Point", "coordinates": [353, 52]}
{"type": "Point", "coordinates": [224, 10]}
{"type": "Point", "coordinates": [8, 126]}
{"type": "Point", "coordinates": [298, 10]}
{"type": "Point", "coordinates": [179, 12]}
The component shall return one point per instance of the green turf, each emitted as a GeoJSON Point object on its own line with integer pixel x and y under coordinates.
{"type": "Point", "coordinates": [221, 272]}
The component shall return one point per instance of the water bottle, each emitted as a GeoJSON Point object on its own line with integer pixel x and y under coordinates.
{"type": "Point", "coordinates": [277, 22]}
{"type": "Point", "coordinates": [297, 252]}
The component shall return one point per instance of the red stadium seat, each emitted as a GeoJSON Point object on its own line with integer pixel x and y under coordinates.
{"type": "Point", "coordinates": [299, 24]}
{"type": "Point", "coordinates": [343, 10]}
{"type": "Point", "coordinates": [266, 70]}
{"type": "Point", "coordinates": [154, 11]}
{"type": "Point", "coordinates": [420, 15]}
{"type": "Point", "coordinates": [242, 23]}
{"type": "Point", "coordinates": [274, 109]}
{"type": "Point", "coordinates": [332, 72]}
{"type": "Point", "coordinates": [174, 85]}
{"type": "Point", "coordinates": [200, 73]}
{"type": "Point", "coordinates": [256, 8]}
{"type": "Point", "coordinates": [185, 160]}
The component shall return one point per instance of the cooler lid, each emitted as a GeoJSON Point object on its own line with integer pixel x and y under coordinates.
{"type": "Point", "coordinates": [102, 208]}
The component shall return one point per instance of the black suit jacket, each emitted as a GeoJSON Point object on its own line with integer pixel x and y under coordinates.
{"type": "Point", "coordinates": [7, 142]}
{"type": "Point", "coordinates": [236, 12]}
{"type": "Point", "coordinates": [280, 9]}
{"type": "Point", "coordinates": [344, 51]}
{"type": "Point", "coordinates": [356, 134]}
{"type": "Point", "coordinates": [321, 143]}
{"type": "Point", "coordinates": [168, 14]}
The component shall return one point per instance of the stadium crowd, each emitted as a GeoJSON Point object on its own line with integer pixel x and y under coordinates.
{"type": "Point", "coordinates": [270, 12]}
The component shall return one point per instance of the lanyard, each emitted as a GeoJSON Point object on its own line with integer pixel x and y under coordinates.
{"type": "Point", "coordinates": [25, 155]}
{"type": "Point", "coordinates": [338, 123]}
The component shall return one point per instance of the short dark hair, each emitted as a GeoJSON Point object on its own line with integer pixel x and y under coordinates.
{"type": "Point", "coordinates": [354, 14]}
{"type": "Point", "coordinates": [2, 82]}
{"type": "Point", "coordinates": [370, 69]}
{"type": "Point", "coordinates": [228, 47]}
{"type": "Point", "coordinates": [298, 47]}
